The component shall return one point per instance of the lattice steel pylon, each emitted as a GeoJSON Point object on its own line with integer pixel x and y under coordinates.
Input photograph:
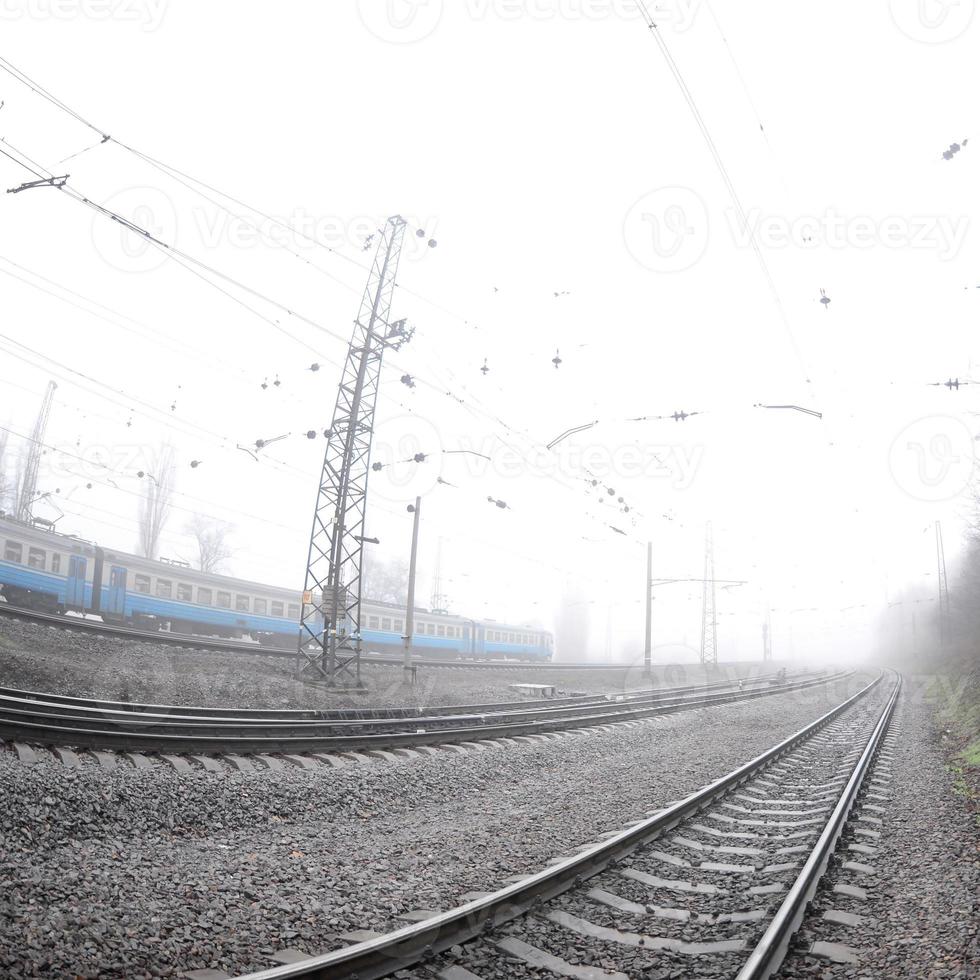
{"type": "Point", "coordinates": [709, 620]}
{"type": "Point", "coordinates": [329, 642]}
{"type": "Point", "coordinates": [943, 587]}
{"type": "Point", "coordinates": [28, 484]}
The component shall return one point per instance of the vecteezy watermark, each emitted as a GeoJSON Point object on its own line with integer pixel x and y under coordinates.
{"type": "Point", "coordinates": [932, 459]}
{"type": "Point", "coordinates": [943, 234]}
{"type": "Point", "coordinates": [409, 458]}
{"type": "Point", "coordinates": [400, 21]}
{"type": "Point", "coordinates": [932, 21]}
{"type": "Point", "coordinates": [302, 230]}
{"type": "Point", "coordinates": [143, 223]}
{"type": "Point", "coordinates": [135, 247]}
{"type": "Point", "coordinates": [409, 21]}
{"type": "Point", "coordinates": [148, 14]}
{"type": "Point", "coordinates": [666, 230]}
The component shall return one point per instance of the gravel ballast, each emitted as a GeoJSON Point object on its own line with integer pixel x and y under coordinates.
{"type": "Point", "coordinates": [149, 872]}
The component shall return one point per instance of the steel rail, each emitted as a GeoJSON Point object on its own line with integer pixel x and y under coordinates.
{"type": "Point", "coordinates": [38, 706]}
{"type": "Point", "coordinates": [21, 724]}
{"type": "Point", "coordinates": [771, 949]}
{"type": "Point", "coordinates": [342, 714]}
{"type": "Point", "coordinates": [422, 941]}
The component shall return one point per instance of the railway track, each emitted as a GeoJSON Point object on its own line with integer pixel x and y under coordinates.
{"type": "Point", "coordinates": [713, 885]}
{"type": "Point", "coordinates": [191, 641]}
{"type": "Point", "coordinates": [57, 720]}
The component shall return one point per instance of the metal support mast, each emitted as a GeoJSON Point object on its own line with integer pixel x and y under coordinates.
{"type": "Point", "coordinates": [767, 639]}
{"type": "Point", "coordinates": [330, 625]}
{"type": "Point", "coordinates": [709, 621]}
{"type": "Point", "coordinates": [27, 493]}
{"type": "Point", "coordinates": [943, 587]}
{"type": "Point", "coordinates": [648, 604]}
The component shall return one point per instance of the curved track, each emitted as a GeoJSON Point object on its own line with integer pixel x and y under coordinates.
{"type": "Point", "coordinates": [720, 894]}
{"type": "Point", "coordinates": [62, 721]}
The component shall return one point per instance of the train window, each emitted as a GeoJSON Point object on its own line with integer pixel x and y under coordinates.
{"type": "Point", "coordinates": [36, 558]}
{"type": "Point", "coordinates": [441, 630]}
{"type": "Point", "coordinates": [204, 597]}
{"type": "Point", "coordinates": [165, 588]}
{"type": "Point", "coordinates": [386, 624]}
{"type": "Point", "coordinates": [397, 625]}
{"type": "Point", "coordinates": [260, 607]}
{"type": "Point", "coordinates": [431, 629]}
{"type": "Point", "coordinates": [142, 584]}
{"type": "Point", "coordinates": [372, 622]}
{"type": "Point", "coordinates": [241, 603]}
{"type": "Point", "coordinates": [224, 600]}
{"type": "Point", "coordinates": [184, 592]}
{"type": "Point", "coordinates": [56, 562]}
{"type": "Point", "coordinates": [13, 552]}
{"type": "Point", "coordinates": [277, 608]}
{"type": "Point", "coordinates": [294, 610]}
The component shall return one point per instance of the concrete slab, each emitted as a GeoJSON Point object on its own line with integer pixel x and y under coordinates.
{"type": "Point", "coordinates": [865, 869]}
{"type": "Point", "coordinates": [843, 918]}
{"type": "Point", "coordinates": [539, 958]}
{"type": "Point", "coordinates": [25, 753]}
{"type": "Point", "coordinates": [209, 762]}
{"type": "Point", "coordinates": [456, 973]}
{"type": "Point", "coordinates": [359, 936]}
{"type": "Point", "coordinates": [418, 915]}
{"type": "Point", "coordinates": [288, 955]}
{"type": "Point", "coordinates": [615, 901]}
{"type": "Point", "coordinates": [835, 952]}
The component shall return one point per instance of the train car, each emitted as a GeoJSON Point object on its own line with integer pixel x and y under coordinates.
{"type": "Point", "coordinates": [51, 572]}
{"type": "Point", "coordinates": [445, 636]}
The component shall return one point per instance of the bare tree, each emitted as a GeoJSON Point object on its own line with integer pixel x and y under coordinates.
{"type": "Point", "coordinates": [154, 505]}
{"type": "Point", "coordinates": [385, 581]}
{"type": "Point", "coordinates": [211, 536]}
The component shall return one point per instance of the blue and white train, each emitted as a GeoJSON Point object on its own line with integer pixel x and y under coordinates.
{"type": "Point", "coordinates": [50, 572]}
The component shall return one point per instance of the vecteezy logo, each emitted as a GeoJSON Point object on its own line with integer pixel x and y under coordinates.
{"type": "Point", "coordinates": [406, 458]}
{"type": "Point", "coordinates": [400, 21]}
{"type": "Point", "coordinates": [666, 230]}
{"type": "Point", "coordinates": [129, 245]}
{"type": "Point", "coordinates": [932, 459]}
{"type": "Point", "coordinates": [932, 21]}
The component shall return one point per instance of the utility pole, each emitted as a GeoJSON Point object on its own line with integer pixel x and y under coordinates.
{"type": "Point", "coordinates": [24, 511]}
{"type": "Point", "coordinates": [329, 643]}
{"type": "Point", "coordinates": [416, 510]}
{"type": "Point", "coordinates": [648, 604]}
{"type": "Point", "coordinates": [766, 640]}
{"type": "Point", "coordinates": [709, 620]}
{"type": "Point", "coordinates": [943, 588]}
